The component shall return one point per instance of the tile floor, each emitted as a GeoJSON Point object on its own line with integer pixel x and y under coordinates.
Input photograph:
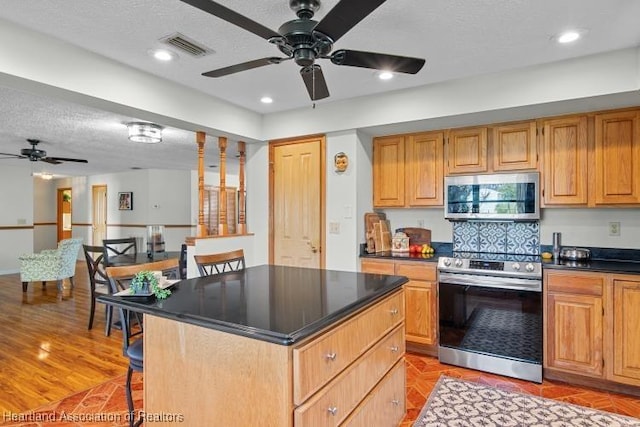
{"type": "Point", "coordinates": [107, 400]}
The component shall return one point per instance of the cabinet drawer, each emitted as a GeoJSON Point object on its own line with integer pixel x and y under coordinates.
{"type": "Point", "coordinates": [386, 405]}
{"type": "Point", "coordinates": [331, 405]}
{"type": "Point", "coordinates": [417, 271]}
{"type": "Point", "coordinates": [315, 363]}
{"type": "Point", "coordinates": [377, 267]}
{"type": "Point", "coordinates": [575, 283]}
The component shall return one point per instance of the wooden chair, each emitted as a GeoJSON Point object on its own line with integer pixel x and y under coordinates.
{"type": "Point", "coordinates": [126, 246]}
{"type": "Point", "coordinates": [219, 263]}
{"type": "Point", "coordinates": [119, 279]}
{"type": "Point", "coordinates": [98, 283]}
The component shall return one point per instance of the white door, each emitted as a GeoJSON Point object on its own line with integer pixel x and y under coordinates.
{"type": "Point", "coordinates": [99, 214]}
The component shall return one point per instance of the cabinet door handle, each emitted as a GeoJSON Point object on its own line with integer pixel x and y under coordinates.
{"type": "Point", "coordinates": [393, 311]}
{"type": "Point", "coordinates": [395, 402]}
{"type": "Point", "coordinates": [394, 348]}
{"type": "Point", "coordinates": [332, 410]}
{"type": "Point", "coordinates": [331, 356]}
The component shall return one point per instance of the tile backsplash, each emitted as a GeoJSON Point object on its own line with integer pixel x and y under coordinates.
{"type": "Point", "coordinates": [497, 237]}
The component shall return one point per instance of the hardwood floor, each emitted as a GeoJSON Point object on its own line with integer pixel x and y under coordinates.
{"type": "Point", "coordinates": [48, 355]}
{"type": "Point", "coordinates": [46, 351]}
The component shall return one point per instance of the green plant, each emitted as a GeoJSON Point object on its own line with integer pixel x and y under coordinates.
{"type": "Point", "coordinates": [146, 280]}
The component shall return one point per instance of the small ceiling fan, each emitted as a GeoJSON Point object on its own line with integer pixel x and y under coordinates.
{"type": "Point", "coordinates": [305, 40]}
{"type": "Point", "coordinates": [36, 155]}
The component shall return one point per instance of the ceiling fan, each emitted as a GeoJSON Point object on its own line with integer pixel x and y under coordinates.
{"type": "Point", "coordinates": [36, 155]}
{"type": "Point", "coordinates": [305, 40]}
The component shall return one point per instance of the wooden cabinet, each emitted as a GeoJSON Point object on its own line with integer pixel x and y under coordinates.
{"type": "Point", "coordinates": [388, 171]}
{"type": "Point", "coordinates": [592, 322]}
{"type": "Point", "coordinates": [617, 158]}
{"type": "Point", "coordinates": [625, 350]}
{"type": "Point", "coordinates": [574, 322]}
{"type": "Point", "coordinates": [467, 150]}
{"type": "Point", "coordinates": [514, 147]}
{"type": "Point", "coordinates": [420, 298]}
{"type": "Point", "coordinates": [408, 170]}
{"type": "Point", "coordinates": [565, 176]}
{"type": "Point", "coordinates": [424, 165]}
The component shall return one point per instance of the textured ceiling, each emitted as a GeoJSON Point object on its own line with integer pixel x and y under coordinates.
{"type": "Point", "coordinates": [458, 38]}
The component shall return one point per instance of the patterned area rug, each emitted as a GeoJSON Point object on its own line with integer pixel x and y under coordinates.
{"type": "Point", "coordinates": [459, 403]}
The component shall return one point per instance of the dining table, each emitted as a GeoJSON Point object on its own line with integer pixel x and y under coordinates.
{"type": "Point", "coordinates": [139, 258]}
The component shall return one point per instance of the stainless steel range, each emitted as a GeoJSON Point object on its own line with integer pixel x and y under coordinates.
{"type": "Point", "coordinates": [490, 313]}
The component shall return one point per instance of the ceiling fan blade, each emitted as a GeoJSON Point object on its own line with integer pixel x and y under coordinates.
{"type": "Point", "coordinates": [244, 66]}
{"type": "Point", "coordinates": [233, 17]}
{"type": "Point", "coordinates": [11, 156]}
{"type": "Point", "coordinates": [315, 82]}
{"type": "Point", "coordinates": [58, 160]}
{"type": "Point", "coordinates": [377, 61]}
{"type": "Point", "coordinates": [345, 15]}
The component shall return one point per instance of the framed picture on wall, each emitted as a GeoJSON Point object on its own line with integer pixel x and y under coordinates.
{"type": "Point", "coordinates": [125, 201]}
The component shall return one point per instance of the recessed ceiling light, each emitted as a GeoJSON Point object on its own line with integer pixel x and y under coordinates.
{"type": "Point", "coordinates": [568, 37]}
{"type": "Point", "coordinates": [163, 55]}
{"type": "Point", "coordinates": [266, 100]}
{"type": "Point", "coordinates": [385, 75]}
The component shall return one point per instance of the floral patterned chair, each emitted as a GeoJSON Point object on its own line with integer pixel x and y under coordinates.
{"type": "Point", "coordinates": [50, 264]}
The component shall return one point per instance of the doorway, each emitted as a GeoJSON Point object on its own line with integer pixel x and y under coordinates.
{"type": "Point", "coordinates": [297, 202]}
{"type": "Point", "coordinates": [63, 222]}
{"type": "Point", "coordinates": [99, 214]}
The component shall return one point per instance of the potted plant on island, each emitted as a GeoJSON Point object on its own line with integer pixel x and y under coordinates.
{"type": "Point", "coordinates": [146, 282]}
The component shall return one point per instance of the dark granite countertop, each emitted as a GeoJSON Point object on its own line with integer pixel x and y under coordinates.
{"type": "Point", "coordinates": [595, 265]}
{"type": "Point", "coordinates": [278, 304]}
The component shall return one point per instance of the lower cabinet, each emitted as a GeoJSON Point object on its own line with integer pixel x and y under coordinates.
{"type": "Point", "coordinates": [420, 298]}
{"type": "Point", "coordinates": [592, 325]}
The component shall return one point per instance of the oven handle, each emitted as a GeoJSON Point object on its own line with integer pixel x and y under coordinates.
{"type": "Point", "coordinates": [514, 283]}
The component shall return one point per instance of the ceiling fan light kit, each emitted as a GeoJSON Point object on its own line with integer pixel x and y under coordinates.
{"type": "Point", "coordinates": [305, 40]}
{"type": "Point", "coordinates": [148, 133]}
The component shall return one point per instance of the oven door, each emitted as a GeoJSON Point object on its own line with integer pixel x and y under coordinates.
{"type": "Point", "coordinates": [489, 320]}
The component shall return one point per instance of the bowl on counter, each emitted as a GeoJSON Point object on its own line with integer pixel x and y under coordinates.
{"type": "Point", "coordinates": [575, 254]}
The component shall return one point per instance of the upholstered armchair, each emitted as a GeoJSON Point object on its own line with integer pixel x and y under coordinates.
{"type": "Point", "coordinates": [50, 264]}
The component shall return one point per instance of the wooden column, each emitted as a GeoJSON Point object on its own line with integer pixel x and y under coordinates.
{"type": "Point", "coordinates": [242, 220]}
{"type": "Point", "coordinates": [222, 222]}
{"type": "Point", "coordinates": [200, 140]}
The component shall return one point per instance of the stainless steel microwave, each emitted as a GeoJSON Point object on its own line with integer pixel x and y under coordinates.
{"type": "Point", "coordinates": [509, 197]}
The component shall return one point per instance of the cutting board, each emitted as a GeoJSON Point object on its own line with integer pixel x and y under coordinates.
{"type": "Point", "coordinates": [417, 236]}
{"type": "Point", "coordinates": [371, 218]}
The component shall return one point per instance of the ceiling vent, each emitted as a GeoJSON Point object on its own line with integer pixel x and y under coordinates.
{"type": "Point", "coordinates": [187, 45]}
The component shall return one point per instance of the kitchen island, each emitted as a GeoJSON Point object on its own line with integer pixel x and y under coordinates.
{"type": "Point", "coordinates": [275, 346]}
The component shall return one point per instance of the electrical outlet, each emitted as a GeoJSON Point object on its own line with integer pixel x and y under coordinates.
{"type": "Point", "coordinates": [334, 227]}
{"type": "Point", "coordinates": [614, 229]}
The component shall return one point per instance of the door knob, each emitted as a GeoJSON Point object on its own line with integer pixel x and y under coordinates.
{"type": "Point", "coordinates": [314, 248]}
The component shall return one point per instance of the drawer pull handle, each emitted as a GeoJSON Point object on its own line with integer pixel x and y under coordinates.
{"type": "Point", "coordinates": [396, 402]}
{"type": "Point", "coordinates": [394, 311]}
{"type": "Point", "coordinates": [331, 356]}
{"type": "Point", "coordinates": [332, 410]}
{"type": "Point", "coordinates": [394, 348]}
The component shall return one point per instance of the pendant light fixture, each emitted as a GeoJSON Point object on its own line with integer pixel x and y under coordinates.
{"type": "Point", "coordinates": [148, 133]}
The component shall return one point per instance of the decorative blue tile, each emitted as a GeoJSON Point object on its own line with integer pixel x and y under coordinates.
{"type": "Point", "coordinates": [465, 237]}
{"type": "Point", "coordinates": [523, 238]}
{"type": "Point", "coordinates": [492, 237]}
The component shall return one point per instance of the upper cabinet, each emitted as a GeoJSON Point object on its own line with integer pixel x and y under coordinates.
{"type": "Point", "coordinates": [388, 171]}
{"type": "Point", "coordinates": [617, 158]}
{"type": "Point", "coordinates": [408, 170]}
{"type": "Point", "coordinates": [424, 167]}
{"type": "Point", "coordinates": [514, 147]}
{"type": "Point", "coordinates": [467, 150]}
{"type": "Point", "coordinates": [499, 148]}
{"type": "Point", "coordinates": [565, 161]}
